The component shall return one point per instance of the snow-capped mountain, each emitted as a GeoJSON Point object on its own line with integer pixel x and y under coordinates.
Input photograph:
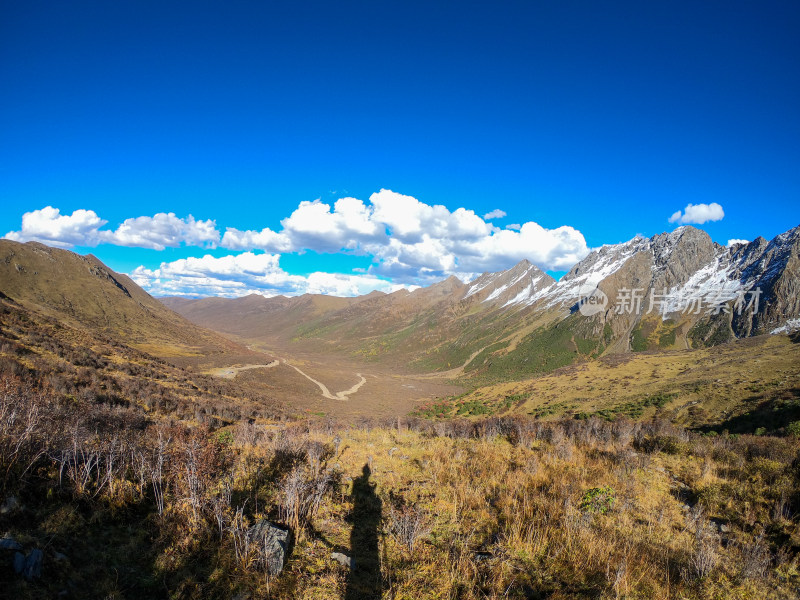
{"type": "Point", "coordinates": [521, 284]}
{"type": "Point", "coordinates": [672, 274]}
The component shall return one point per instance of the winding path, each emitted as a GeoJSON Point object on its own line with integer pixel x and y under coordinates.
{"type": "Point", "coordinates": [324, 389]}
{"type": "Point", "coordinates": [452, 372]}
{"type": "Point", "coordinates": [231, 372]}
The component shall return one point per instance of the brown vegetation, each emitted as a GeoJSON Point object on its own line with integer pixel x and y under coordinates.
{"type": "Point", "coordinates": [512, 507]}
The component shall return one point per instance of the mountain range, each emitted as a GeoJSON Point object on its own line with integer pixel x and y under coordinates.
{"type": "Point", "coordinates": [671, 293]}
{"type": "Point", "coordinates": [675, 290]}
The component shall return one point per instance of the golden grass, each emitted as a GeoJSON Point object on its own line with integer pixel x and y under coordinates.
{"type": "Point", "coordinates": [505, 521]}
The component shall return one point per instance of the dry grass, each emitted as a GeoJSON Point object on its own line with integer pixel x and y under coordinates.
{"type": "Point", "coordinates": [500, 508]}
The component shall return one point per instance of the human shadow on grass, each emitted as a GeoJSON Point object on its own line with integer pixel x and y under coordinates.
{"type": "Point", "coordinates": [364, 581]}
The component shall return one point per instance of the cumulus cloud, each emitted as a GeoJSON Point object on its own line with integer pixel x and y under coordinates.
{"type": "Point", "coordinates": [83, 228]}
{"type": "Point", "coordinates": [495, 214]}
{"type": "Point", "coordinates": [410, 243]}
{"type": "Point", "coordinates": [49, 226]}
{"type": "Point", "coordinates": [734, 242]}
{"type": "Point", "coordinates": [697, 214]}
{"type": "Point", "coordinates": [414, 242]}
{"type": "Point", "coordinates": [248, 273]}
{"type": "Point", "coordinates": [164, 230]}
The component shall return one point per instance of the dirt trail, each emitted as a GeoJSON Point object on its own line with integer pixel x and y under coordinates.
{"type": "Point", "coordinates": [324, 389]}
{"type": "Point", "coordinates": [452, 372]}
{"type": "Point", "coordinates": [231, 372]}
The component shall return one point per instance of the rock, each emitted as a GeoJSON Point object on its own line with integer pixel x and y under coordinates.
{"type": "Point", "coordinates": [29, 566]}
{"type": "Point", "coordinates": [9, 506]}
{"type": "Point", "coordinates": [344, 560]}
{"type": "Point", "coordinates": [273, 541]}
{"type": "Point", "coordinates": [19, 562]}
{"type": "Point", "coordinates": [8, 543]}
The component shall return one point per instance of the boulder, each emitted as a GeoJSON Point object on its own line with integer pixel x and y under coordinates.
{"type": "Point", "coordinates": [273, 542]}
{"type": "Point", "coordinates": [8, 543]}
{"type": "Point", "coordinates": [30, 566]}
{"type": "Point", "coordinates": [10, 505]}
{"type": "Point", "coordinates": [344, 560]}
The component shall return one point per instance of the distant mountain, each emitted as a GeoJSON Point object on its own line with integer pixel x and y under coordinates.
{"type": "Point", "coordinates": [673, 290]}
{"type": "Point", "coordinates": [81, 291]}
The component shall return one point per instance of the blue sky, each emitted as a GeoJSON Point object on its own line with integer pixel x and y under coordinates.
{"type": "Point", "coordinates": [585, 123]}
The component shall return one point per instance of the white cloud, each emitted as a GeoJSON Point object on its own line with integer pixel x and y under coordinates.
{"type": "Point", "coordinates": [697, 214]}
{"type": "Point", "coordinates": [494, 214]}
{"type": "Point", "coordinates": [83, 228]}
{"type": "Point", "coordinates": [248, 273]}
{"type": "Point", "coordinates": [164, 230]}
{"type": "Point", "coordinates": [409, 241]}
{"type": "Point", "coordinates": [49, 226]}
{"type": "Point", "coordinates": [733, 242]}
{"type": "Point", "coordinates": [266, 239]}
{"type": "Point", "coordinates": [414, 242]}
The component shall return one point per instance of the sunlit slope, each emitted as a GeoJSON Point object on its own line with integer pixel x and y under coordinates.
{"type": "Point", "coordinates": [82, 291]}
{"type": "Point", "coordinates": [741, 386]}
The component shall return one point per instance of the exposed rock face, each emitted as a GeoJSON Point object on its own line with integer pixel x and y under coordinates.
{"type": "Point", "coordinates": [520, 284]}
{"type": "Point", "coordinates": [684, 276]}
{"type": "Point", "coordinates": [773, 267]}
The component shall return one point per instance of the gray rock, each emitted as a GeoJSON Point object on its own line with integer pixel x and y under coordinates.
{"type": "Point", "coordinates": [29, 566]}
{"type": "Point", "coordinates": [344, 560]}
{"type": "Point", "coordinates": [10, 544]}
{"type": "Point", "coordinates": [273, 542]}
{"type": "Point", "coordinates": [9, 506]}
{"type": "Point", "coordinates": [19, 562]}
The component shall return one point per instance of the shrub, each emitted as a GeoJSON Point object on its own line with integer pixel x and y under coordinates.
{"type": "Point", "coordinates": [793, 429]}
{"type": "Point", "coordinates": [598, 500]}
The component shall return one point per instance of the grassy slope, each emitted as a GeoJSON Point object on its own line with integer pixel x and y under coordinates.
{"type": "Point", "coordinates": [504, 508]}
{"type": "Point", "coordinates": [739, 386]}
{"type": "Point", "coordinates": [83, 292]}
{"type": "Point", "coordinates": [79, 363]}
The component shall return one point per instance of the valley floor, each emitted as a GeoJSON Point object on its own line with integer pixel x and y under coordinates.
{"type": "Point", "coordinates": [331, 385]}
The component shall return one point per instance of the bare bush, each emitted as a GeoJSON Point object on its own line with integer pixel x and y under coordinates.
{"type": "Point", "coordinates": [22, 430]}
{"type": "Point", "coordinates": [705, 555]}
{"type": "Point", "coordinates": [756, 558]}
{"type": "Point", "coordinates": [301, 493]}
{"type": "Point", "coordinates": [408, 524]}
